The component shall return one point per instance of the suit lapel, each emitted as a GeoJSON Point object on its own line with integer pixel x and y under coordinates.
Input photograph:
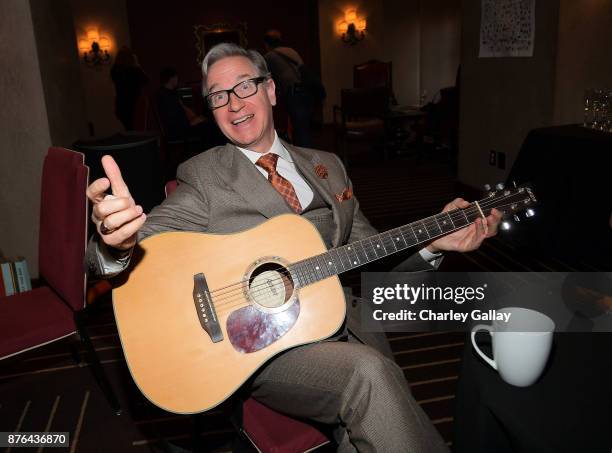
{"type": "Point", "coordinates": [307, 169]}
{"type": "Point", "coordinates": [241, 175]}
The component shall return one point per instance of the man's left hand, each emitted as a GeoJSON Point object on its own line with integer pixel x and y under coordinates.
{"type": "Point", "coordinates": [468, 238]}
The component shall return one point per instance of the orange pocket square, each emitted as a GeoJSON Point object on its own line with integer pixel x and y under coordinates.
{"type": "Point", "coordinates": [346, 194]}
{"type": "Point", "coordinates": [321, 171]}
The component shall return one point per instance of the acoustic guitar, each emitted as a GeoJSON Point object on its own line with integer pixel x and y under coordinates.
{"type": "Point", "coordinates": [199, 313]}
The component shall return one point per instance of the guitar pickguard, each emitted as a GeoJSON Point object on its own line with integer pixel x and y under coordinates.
{"type": "Point", "coordinates": [250, 329]}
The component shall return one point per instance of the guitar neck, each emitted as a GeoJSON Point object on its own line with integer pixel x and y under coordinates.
{"type": "Point", "coordinates": [356, 254]}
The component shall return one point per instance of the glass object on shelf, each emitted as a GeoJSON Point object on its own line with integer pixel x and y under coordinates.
{"type": "Point", "coordinates": [588, 108]}
{"type": "Point", "coordinates": [598, 109]}
{"type": "Point", "coordinates": [608, 126]}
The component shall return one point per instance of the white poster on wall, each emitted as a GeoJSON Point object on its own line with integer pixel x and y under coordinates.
{"type": "Point", "coordinates": [507, 28]}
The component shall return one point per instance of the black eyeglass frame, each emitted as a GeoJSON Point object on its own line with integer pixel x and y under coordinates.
{"type": "Point", "coordinates": [257, 81]}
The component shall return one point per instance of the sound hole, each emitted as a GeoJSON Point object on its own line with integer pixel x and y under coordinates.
{"type": "Point", "coordinates": [270, 285]}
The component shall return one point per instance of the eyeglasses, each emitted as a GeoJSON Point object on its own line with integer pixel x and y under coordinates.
{"type": "Point", "coordinates": [244, 89]}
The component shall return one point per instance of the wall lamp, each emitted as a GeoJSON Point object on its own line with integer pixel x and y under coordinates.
{"type": "Point", "coordinates": [94, 48]}
{"type": "Point", "coordinates": [352, 28]}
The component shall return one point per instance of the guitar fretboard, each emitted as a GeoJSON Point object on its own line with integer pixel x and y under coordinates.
{"type": "Point", "coordinates": [358, 253]}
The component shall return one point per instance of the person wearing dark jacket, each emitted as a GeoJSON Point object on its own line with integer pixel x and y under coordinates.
{"type": "Point", "coordinates": [129, 80]}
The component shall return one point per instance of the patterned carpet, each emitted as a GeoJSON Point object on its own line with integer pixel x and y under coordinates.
{"type": "Point", "coordinates": [45, 389]}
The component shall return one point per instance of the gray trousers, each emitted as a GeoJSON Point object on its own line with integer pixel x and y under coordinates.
{"type": "Point", "coordinates": [354, 387]}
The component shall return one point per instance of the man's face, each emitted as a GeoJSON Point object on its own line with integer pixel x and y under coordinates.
{"type": "Point", "coordinates": [245, 122]}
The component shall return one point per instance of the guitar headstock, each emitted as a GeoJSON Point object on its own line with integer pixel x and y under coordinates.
{"type": "Point", "coordinates": [510, 201]}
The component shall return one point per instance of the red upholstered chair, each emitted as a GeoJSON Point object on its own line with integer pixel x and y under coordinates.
{"type": "Point", "coordinates": [171, 186]}
{"type": "Point", "coordinates": [270, 431]}
{"type": "Point", "coordinates": [56, 309]}
{"type": "Point", "coordinates": [374, 73]}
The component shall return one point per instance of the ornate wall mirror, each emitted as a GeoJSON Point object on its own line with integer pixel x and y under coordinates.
{"type": "Point", "coordinates": [209, 35]}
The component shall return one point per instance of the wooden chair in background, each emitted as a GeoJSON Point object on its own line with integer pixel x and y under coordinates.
{"type": "Point", "coordinates": [361, 119]}
{"type": "Point", "coordinates": [374, 73]}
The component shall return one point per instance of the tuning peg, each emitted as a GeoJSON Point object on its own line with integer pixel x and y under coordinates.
{"type": "Point", "coordinates": [514, 184]}
{"type": "Point", "coordinates": [505, 225]}
{"type": "Point", "coordinates": [500, 186]}
{"type": "Point", "coordinates": [487, 187]}
{"type": "Point", "coordinates": [516, 218]}
{"type": "Point", "coordinates": [529, 213]}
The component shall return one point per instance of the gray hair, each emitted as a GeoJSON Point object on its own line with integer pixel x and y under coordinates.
{"type": "Point", "coordinates": [226, 49]}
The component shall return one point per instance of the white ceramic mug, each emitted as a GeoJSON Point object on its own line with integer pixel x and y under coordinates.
{"type": "Point", "coordinates": [521, 346]}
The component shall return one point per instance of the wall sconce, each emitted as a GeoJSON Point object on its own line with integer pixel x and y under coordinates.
{"type": "Point", "coordinates": [352, 28]}
{"type": "Point", "coordinates": [94, 48]}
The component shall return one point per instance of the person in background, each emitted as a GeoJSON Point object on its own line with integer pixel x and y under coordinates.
{"type": "Point", "coordinates": [129, 80]}
{"type": "Point", "coordinates": [178, 120]}
{"type": "Point", "coordinates": [284, 64]}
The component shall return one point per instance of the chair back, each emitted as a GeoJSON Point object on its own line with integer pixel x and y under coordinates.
{"type": "Point", "coordinates": [372, 73]}
{"type": "Point", "coordinates": [63, 224]}
{"type": "Point", "coordinates": [170, 187]}
{"type": "Point", "coordinates": [364, 102]}
{"type": "Point", "coordinates": [138, 157]}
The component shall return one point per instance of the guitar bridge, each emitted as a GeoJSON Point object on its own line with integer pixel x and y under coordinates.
{"type": "Point", "coordinates": [205, 308]}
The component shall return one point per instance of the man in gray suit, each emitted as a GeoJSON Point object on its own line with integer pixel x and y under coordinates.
{"type": "Point", "coordinates": [253, 178]}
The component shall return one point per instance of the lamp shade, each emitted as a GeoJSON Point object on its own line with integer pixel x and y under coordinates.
{"type": "Point", "coordinates": [104, 43]}
{"type": "Point", "coordinates": [351, 16]}
{"type": "Point", "coordinates": [361, 25]}
{"type": "Point", "coordinates": [84, 45]}
{"type": "Point", "coordinates": [93, 35]}
{"type": "Point", "coordinates": [342, 27]}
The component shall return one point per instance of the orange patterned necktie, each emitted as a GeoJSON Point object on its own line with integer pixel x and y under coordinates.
{"type": "Point", "coordinates": [282, 186]}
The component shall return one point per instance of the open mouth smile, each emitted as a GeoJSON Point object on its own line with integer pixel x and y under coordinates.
{"type": "Point", "coordinates": [242, 119]}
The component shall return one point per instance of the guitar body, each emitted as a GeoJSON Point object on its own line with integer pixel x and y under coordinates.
{"type": "Point", "coordinates": [171, 357]}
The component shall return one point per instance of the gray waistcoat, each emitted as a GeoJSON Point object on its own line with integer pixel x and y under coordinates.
{"type": "Point", "coordinates": [321, 216]}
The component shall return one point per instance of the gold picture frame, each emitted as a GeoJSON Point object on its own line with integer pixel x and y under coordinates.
{"type": "Point", "coordinates": [209, 35]}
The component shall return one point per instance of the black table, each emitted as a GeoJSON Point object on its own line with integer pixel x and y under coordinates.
{"type": "Point", "coordinates": [569, 409]}
{"type": "Point", "coordinates": [570, 168]}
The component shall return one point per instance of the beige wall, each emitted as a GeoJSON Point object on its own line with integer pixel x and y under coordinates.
{"type": "Point", "coordinates": [440, 44]}
{"type": "Point", "coordinates": [402, 47]}
{"type": "Point", "coordinates": [421, 38]}
{"type": "Point", "coordinates": [110, 17]}
{"type": "Point", "coordinates": [584, 56]}
{"type": "Point", "coordinates": [59, 68]}
{"type": "Point", "coordinates": [502, 99]}
{"type": "Point", "coordinates": [24, 134]}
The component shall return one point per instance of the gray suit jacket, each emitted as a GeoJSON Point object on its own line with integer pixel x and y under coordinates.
{"type": "Point", "coordinates": [221, 191]}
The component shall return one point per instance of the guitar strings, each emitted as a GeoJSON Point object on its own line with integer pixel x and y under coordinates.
{"type": "Point", "coordinates": [256, 290]}
{"type": "Point", "coordinates": [233, 303]}
{"type": "Point", "coordinates": [220, 300]}
{"type": "Point", "coordinates": [427, 221]}
{"type": "Point", "coordinates": [424, 221]}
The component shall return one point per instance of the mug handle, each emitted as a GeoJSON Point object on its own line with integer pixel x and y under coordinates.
{"type": "Point", "coordinates": [480, 353]}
